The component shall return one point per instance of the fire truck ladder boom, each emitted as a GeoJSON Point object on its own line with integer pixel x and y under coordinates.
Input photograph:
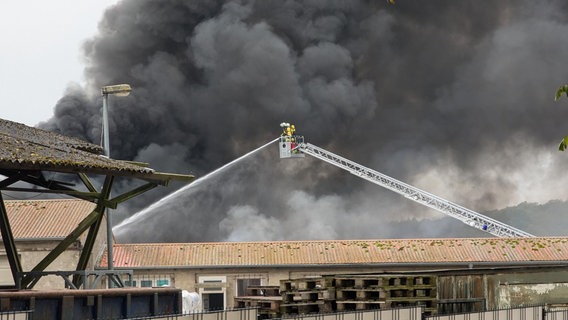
{"type": "Point", "coordinates": [469, 217]}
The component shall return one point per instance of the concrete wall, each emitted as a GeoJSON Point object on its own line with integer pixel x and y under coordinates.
{"type": "Point", "coordinates": [188, 279]}
{"type": "Point", "coordinates": [526, 288]}
{"type": "Point", "coordinates": [496, 289]}
{"type": "Point", "coordinates": [32, 252]}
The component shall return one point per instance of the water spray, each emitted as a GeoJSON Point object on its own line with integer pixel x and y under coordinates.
{"type": "Point", "coordinates": [144, 212]}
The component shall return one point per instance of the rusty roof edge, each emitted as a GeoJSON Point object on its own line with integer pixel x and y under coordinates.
{"type": "Point", "coordinates": [394, 240]}
{"type": "Point", "coordinates": [465, 265]}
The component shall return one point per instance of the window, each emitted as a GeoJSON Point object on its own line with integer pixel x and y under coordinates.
{"type": "Point", "coordinates": [146, 283]}
{"type": "Point", "coordinates": [162, 282]}
{"type": "Point", "coordinates": [246, 280]}
{"type": "Point", "coordinates": [243, 284]}
{"type": "Point", "coordinates": [128, 283]}
{"type": "Point", "coordinates": [150, 280]}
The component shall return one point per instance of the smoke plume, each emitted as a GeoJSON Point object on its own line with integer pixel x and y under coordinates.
{"type": "Point", "coordinates": [455, 98]}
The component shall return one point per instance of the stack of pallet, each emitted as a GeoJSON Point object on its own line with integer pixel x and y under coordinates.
{"type": "Point", "coordinates": [360, 292]}
{"type": "Point", "coordinates": [266, 298]}
{"type": "Point", "coordinates": [308, 295]}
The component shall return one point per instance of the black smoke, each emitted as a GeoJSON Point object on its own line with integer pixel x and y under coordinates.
{"type": "Point", "coordinates": [453, 97]}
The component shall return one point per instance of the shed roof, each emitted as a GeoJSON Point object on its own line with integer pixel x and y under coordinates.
{"type": "Point", "coordinates": [46, 219]}
{"type": "Point", "coordinates": [338, 252]}
{"type": "Point", "coordinates": [29, 148]}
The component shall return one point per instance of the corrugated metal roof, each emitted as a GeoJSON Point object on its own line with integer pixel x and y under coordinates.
{"type": "Point", "coordinates": [39, 136]}
{"type": "Point", "coordinates": [336, 252]}
{"type": "Point", "coordinates": [28, 148]}
{"type": "Point", "coordinates": [46, 219]}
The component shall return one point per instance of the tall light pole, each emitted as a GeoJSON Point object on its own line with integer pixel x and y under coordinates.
{"type": "Point", "coordinates": [121, 90]}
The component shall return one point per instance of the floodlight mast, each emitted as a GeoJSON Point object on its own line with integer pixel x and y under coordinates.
{"type": "Point", "coordinates": [121, 90]}
{"type": "Point", "coordinates": [117, 89]}
{"type": "Point", "coordinates": [293, 146]}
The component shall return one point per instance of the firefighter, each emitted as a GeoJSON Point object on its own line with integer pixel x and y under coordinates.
{"type": "Point", "coordinates": [291, 131]}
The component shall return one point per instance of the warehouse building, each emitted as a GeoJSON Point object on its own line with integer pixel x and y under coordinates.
{"type": "Point", "coordinates": [444, 275]}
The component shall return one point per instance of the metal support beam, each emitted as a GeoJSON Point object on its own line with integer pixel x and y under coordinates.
{"type": "Point", "coordinates": [87, 182]}
{"type": "Point", "coordinates": [133, 193]}
{"type": "Point", "coordinates": [87, 249]}
{"type": "Point", "coordinates": [27, 280]}
{"type": "Point", "coordinates": [62, 246]}
{"type": "Point", "coordinates": [92, 196]}
{"type": "Point", "coordinates": [9, 243]}
{"type": "Point", "coordinates": [76, 233]}
{"type": "Point", "coordinates": [94, 229]}
{"type": "Point", "coordinates": [10, 180]}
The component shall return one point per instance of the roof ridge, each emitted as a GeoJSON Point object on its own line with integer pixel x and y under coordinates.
{"type": "Point", "coordinates": [238, 243]}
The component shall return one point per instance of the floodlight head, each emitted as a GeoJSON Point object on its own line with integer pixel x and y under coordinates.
{"type": "Point", "coordinates": [118, 89]}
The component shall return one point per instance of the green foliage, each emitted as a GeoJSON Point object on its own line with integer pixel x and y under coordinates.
{"type": "Point", "coordinates": [563, 144]}
{"type": "Point", "coordinates": [562, 90]}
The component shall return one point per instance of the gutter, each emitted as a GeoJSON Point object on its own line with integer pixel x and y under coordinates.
{"type": "Point", "coordinates": [468, 265]}
{"type": "Point", "coordinates": [38, 239]}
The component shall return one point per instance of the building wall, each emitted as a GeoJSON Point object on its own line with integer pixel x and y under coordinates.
{"type": "Point", "coordinates": [476, 290]}
{"type": "Point", "coordinates": [526, 288]}
{"type": "Point", "coordinates": [31, 252]}
{"type": "Point", "coordinates": [192, 279]}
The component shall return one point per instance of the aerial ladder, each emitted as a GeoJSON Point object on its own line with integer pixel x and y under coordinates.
{"type": "Point", "coordinates": [294, 146]}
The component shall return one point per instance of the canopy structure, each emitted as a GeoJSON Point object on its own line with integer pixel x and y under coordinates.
{"type": "Point", "coordinates": [33, 155]}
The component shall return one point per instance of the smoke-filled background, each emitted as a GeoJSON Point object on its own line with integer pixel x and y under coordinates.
{"type": "Point", "coordinates": [455, 98]}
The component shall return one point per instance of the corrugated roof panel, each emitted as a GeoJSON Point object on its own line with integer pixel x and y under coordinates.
{"type": "Point", "coordinates": [340, 252]}
{"type": "Point", "coordinates": [54, 218]}
{"type": "Point", "coordinates": [40, 137]}
{"type": "Point", "coordinates": [29, 148]}
{"type": "Point", "coordinates": [24, 154]}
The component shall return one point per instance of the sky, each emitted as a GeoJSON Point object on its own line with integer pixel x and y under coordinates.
{"type": "Point", "coordinates": [41, 53]}
{"type": "Point", "coordinates": [455, 98]}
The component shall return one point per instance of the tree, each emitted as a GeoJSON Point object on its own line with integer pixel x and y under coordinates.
{"type": "Point", "coordinates": [562, 90]}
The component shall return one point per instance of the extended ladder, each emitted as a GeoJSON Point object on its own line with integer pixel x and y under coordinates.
{"type": "Point", "coordinates": [469, 217]}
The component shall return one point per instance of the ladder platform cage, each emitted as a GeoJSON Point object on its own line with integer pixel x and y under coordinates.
{"type": "Point", "coordinates": [289, 146]}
